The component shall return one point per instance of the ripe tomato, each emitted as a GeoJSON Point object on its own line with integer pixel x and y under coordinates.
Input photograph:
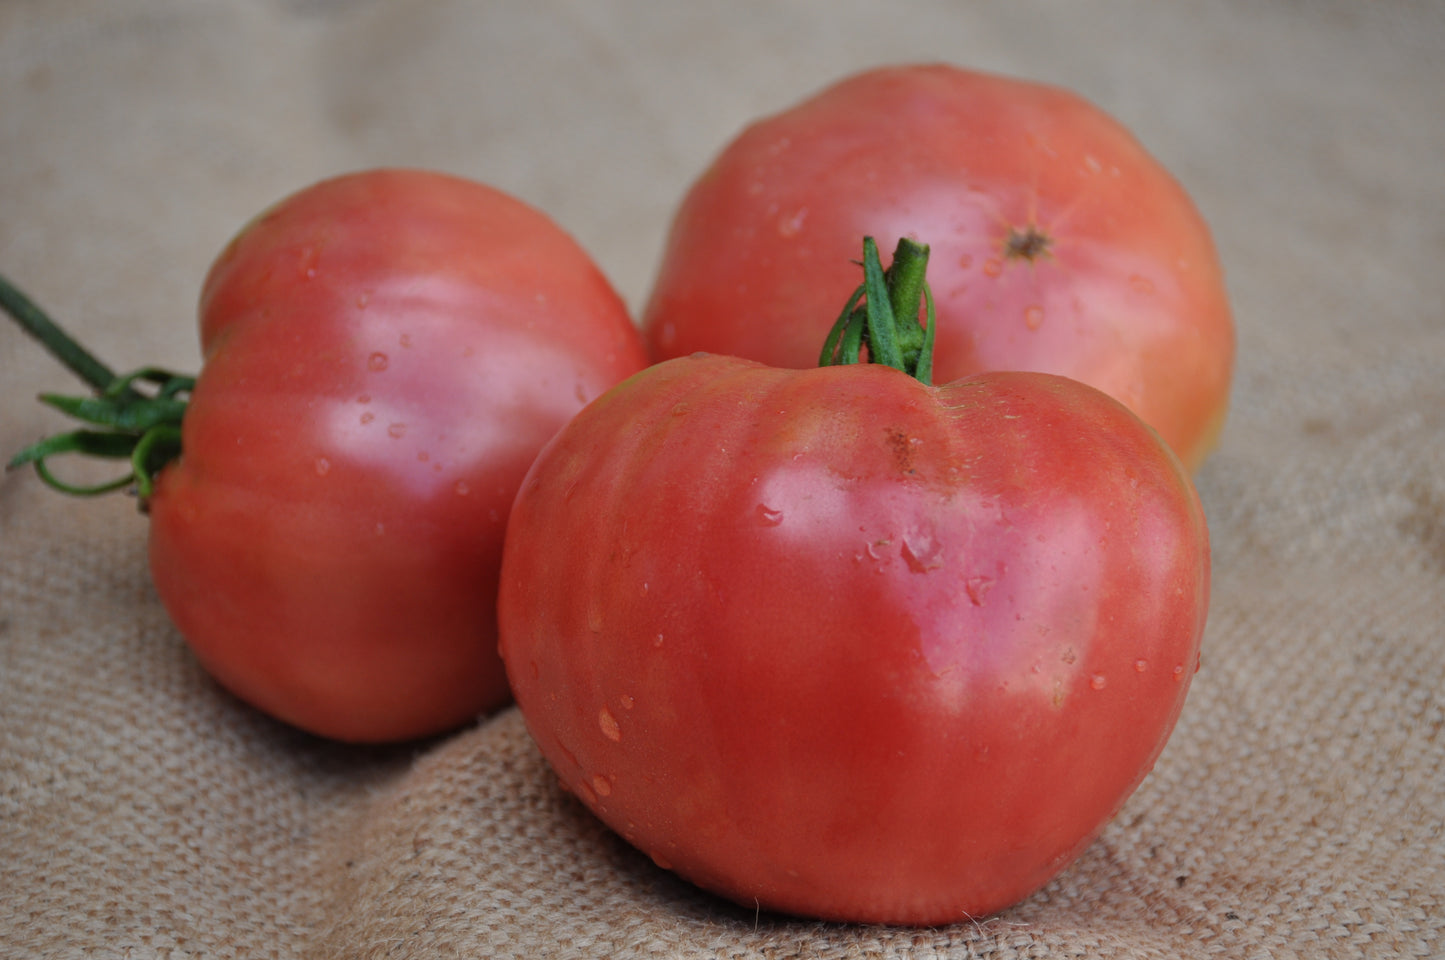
{"type": "Point", "coordinates": [1059, 244]}
{"type": "Point", "coordinates": [385, 353]}
{"type": "Point", "coordinates": [835, 643]}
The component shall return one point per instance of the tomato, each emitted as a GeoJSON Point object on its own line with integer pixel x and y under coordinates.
{"type": "Point", "coordinates": [836, 643]}
{"type": "Point", "coordinates": [384, 354]}
{"type": "Point", "coordinates": [1059, 244]}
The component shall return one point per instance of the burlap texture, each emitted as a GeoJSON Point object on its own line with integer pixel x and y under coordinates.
{"type": "Point", "coordinates": [1299, 810]}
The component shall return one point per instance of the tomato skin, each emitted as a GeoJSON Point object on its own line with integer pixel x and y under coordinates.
{"type": "Point", "coordinates": [838, 644]}
{"type": "Point", "coordinates": [385, 353]}
{"type": "Point", "coordinates": [1128, 295]}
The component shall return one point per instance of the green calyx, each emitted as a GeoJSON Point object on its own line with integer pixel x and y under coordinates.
{"type": "Point", "coordinates": [125, 422]}
{"type": "Point", "coordinates": [882, 314]}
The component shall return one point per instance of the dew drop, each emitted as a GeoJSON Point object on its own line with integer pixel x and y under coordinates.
{"type": "Point", "coordinates": [1068, 655]}
{"type": "Point", "coordinates": [405, 341]}
{"type": "Point", "coordinates": [323, 466]}
{"type": "Point", "coordinates": [1178, 674]}
{"type": "Point", "coordinates": [993, 267]}
{"type": "Point", "coordinates": [1034, 317]}
{"type": "Point", "coordinates": [792, 225]}
{"type": "Point", "coordinates": [1141, 665]}
{"type": "Point", "coordinates": [396, 430]}
{"type": "Point", "coordinates": [661, 861]}
{"type": "Point", "coordinates": [977, 589]}
{"type": "Point", "coordinates": [658, 640]}
{"type": "Point", "coordinates": [377, 362]}
{"type": "Point", "coordinates": [1098, 681]}
{"type": "Point", "coordinates": [368, 417]}
{"type": "Point", "coordinates": [627, 702]}
{"type": "Point", "coordinates": [922, 551]}
{"type": "Point", "coordinates": [607, 723]}
{"type": "Point", "coordinates": [363, 300]}
{"type": "Point", "coordinates": [602, 785]}
{"type": "Point", "coordinates": [365, 398]}
{"type": "Point", "coordinates": [769, 516]}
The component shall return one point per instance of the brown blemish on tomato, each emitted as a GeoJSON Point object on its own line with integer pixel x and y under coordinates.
{"type": "Point", "coordinates": [903, 448]}
{"type": "Point", "coordinates": [1029, 244]}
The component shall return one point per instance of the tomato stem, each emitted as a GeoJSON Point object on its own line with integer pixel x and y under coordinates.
{"type": "Point", "coordinates": [886, 322]}
{"type": "Point", "coordinates": [141, 427]}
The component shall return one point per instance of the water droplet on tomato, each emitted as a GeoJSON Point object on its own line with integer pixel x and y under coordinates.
{"type": "Point", "coordinates": [364, 398]}
{"type": "Point", "coordinates": [658, 640]}
{"type": "Point", "coordinates": [581, 392]}
{"type": "Point", "coordinates": [1098, 681]}
{"type": "Point", "coordinates": [1141, 665]}
{"type": "Point", "coordinates": [1034, 317]}
{"type": "Point", "coordinates": [993, 267]}
{"type": "Point", "coordinates": [368, 417]}
{"type": "Point", "coordinates": [1069, 656]}
{"type": "Point", "coordinates": [1178, 673]}
{"type": "Point", "coordinates": [602, 785]}
{"type": "Point", "coordinates": [791, 226]}
{"type": "Point", "coordinates": [363, 300]}
{"type": "Point", "coordinates": [405, 341]}
{"type": "Point", "coordinates": [461, 489]}
{"type": "Point", "coordinates": [661, 861]}
{"type": "Point", "coordinates": [607, 723]}
{"type": "Point", "coordinates": [396, 430]}
{"type": "Point", "coordinates": [769, 516]}
{"type": "Point", "coordinates": [977, 589]}
{"type": "Point", "coordinates": [323, 466]}
{"type": "Point", "coordinates": [922, 551]}
{"type": "Point", "coordinates": [378, 362]}
{"type": "Point", "coordinates": [627, 702]}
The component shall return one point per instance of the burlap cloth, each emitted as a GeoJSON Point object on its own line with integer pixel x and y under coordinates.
{"type": "Point", "coordinates": [1299, 810]}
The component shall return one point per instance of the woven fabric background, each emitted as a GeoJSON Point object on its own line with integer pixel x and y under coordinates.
{"type": "Point", "coordinates": [1299, 810]}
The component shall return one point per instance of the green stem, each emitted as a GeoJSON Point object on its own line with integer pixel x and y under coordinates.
{"type": "Point", "coordinates": [143, 428]}
{"type": "Point", "coordinates": [887, 321]}
{"type": "Point", "coordinates": [61, 345]}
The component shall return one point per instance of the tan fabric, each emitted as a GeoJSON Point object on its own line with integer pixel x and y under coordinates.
{"type": "Point", "coordinates": [1299, 810]}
